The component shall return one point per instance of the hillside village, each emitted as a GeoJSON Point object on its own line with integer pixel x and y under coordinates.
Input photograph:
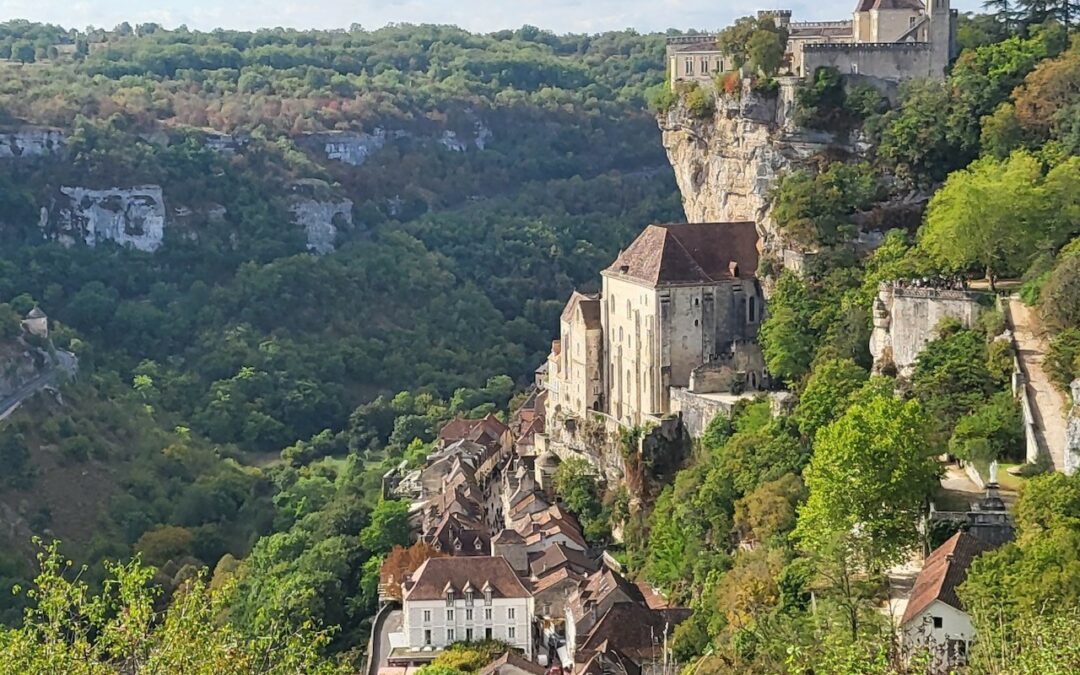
{"type": "Point", "coordinates": [790, 429]}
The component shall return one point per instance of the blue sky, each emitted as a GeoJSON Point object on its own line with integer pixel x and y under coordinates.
{"type": "Point", "coordinates": [478, 15]}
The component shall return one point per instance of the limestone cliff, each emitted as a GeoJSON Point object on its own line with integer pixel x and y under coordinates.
{"type": "Point", "coordinates": [1072, 432]}
{"type": "Point", "coordinates": [726, 165]}
{"type": "Point", "coordinates": [132, 216]}
{"type": "Point", "coordinates": [31, 141]}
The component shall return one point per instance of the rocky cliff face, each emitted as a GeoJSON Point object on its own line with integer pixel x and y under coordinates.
{"type": "Point", "coordinates": [321, 221]}
{"type": "Point", "coordinates": [31, 142]}
{"type": "Point", "coordinates": [726, 165]}
{"type": "Point", "coordinates": [132, 216]}
{"type": "Point", "coordinates": [1072, 432]}
{"type": "Point", "coordinates": [355, 148]}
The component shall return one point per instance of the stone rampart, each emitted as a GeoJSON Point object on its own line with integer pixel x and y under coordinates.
{"type": "Point", "coordinates": [906, 318]}
{"type": "Point", "coordinates": [888, 61]}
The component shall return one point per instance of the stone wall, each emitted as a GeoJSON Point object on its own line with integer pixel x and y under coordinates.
{"type": "Point", "coordinates": [31, 142]}
{"type": "Point", "coordinates": [906, 318]}
{"type": "Point", "coordinates": [888, 61]}
{"type": "Point", "coordinates": [698, 410]}
{"type": "Point", "coordinates": [132, 216]}
{"type": "Point", "coordinates": [321, 221]}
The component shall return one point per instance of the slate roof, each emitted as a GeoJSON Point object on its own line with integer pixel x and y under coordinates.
{"type": "Point", "coordinates": [630, 628]}
{"type": "Point", "coordinates": [944, 570]}
{"type": "Point", "coordinates": [436, 574]}
{"type": "Point", "coordinates": [36, 313]}
{"type": "Point", "coordinates": [690, 253]}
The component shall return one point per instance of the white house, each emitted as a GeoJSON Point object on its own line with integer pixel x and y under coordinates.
{"type": "Point", "coordinates": [461, 599]}
{"type": "Point", "coordinates": [935, 617]}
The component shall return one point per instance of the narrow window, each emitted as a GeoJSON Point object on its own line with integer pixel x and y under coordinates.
{"type": "Point", "coordinates": [427, 637]}
{"type": "Point", "coordinates": [468, 635]}
{"type": "Point", "coordinates": [427, 616]}
{"type": "Point", "coordinates": [487, 634]}
{"type": "Point", "coordinates": [468, 615]}
{"type": "Point", "coordinates": [449, 615]}
{"type": "Point", "coordinates": [511, 632]}
{"type": "Point", "coordinates": [510, 613]}
{"type": "Point", "coordinates": [449, 635]}
{"type": "Point", "coordinates": [487, 614]}
{"type": "Point", "coordinates": [751, 310]}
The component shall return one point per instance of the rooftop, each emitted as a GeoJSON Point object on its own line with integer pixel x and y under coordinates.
{"type": "Point", "coordinates": [689, 253]}
{"type": "Point", "coordinates": [432, 578]}
{"type": "Point", "coordinates": [944, 570]}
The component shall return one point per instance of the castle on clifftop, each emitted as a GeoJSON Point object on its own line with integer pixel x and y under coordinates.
{"type": "Point", "coordinates": [892, 40]}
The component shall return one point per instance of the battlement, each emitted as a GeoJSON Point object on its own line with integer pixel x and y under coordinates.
{"type": "Point", "coordinates": [808, 25]}
{"type": "Point", "coordinates": [689, 39]}
{"type": "Point", "coordinates": [866, 46]}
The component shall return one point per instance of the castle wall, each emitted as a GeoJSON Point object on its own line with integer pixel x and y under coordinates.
{"type": "Point", "coordinates": [888, 61]}
{"type": "Point", "coordinates": [906, 318]}
{"type": "Point", "coordinates": [889, 25]}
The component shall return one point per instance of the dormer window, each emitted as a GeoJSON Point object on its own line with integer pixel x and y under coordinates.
{"type": "Point", "coordinates": [449, 598]}
{"type": "Point", "coordinates": [487, 597]}
{"type": "Point", "coordinates": [469, 598]}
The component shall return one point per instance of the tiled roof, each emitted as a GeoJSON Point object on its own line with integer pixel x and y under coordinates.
{"type": "Point", "coordinates": [512, 658]}
{"type": "Point", "coordinates": [631, 629]}
{"type": "Point", "coordinates": [430, 580]}
{"type": "Point", "coordinates": [690, 253]}
{"type": "Point", "coordinates": [589, 306]}
{"type": "Point", "coordinates": [912, 5]}
{"type": "Point", "coordinates": [557, 556]}
{"type": "Point", "coordinates": [944, 570]}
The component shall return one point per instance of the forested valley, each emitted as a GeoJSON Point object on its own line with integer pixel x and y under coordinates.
{"type": "Point", "coordinates": [239, 398]}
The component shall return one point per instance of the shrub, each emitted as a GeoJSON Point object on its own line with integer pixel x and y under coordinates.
{"type": "Point", "coordinates": [699, 101]}
{"type": "Point", "coordinates": [1059, 300]}
{"type": "Point", "coordinates": [1063, 357]}
{"type": "Point", "coordinates": [661, 98]}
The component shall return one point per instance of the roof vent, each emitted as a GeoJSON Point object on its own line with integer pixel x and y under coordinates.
{"type": "Point", "coordinates": [624, 268]}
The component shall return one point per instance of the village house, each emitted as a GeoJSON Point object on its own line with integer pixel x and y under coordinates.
{"type": "Point", "coordinates": [935, 617]}
{"type": "Point", "coordinates": [454, 599]}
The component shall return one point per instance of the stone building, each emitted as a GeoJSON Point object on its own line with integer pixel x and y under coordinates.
{"type": "Point", "coordinates": [680, 296]}
{"type": "Point", "coordinates": [574, 382]}
{"type": "Point", "coordinates": [892, 40]}
{"type": "Point", "coordinates": [36, 323]}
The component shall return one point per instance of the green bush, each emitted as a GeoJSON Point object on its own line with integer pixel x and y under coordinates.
{"type": "Point", "coordinates": [993, 431]}
{"type": "Point", "coordinates": [661, 98]}
{"type": "Point", "coordinates": [1059, 300]}
{"type": "Point", "coordinates": [1063, 358]}
{"type": "Point", "coordinates": [699, 101]}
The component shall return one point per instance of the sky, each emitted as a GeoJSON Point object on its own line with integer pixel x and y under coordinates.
{"type": "Point", "coordinates": [561, 16]}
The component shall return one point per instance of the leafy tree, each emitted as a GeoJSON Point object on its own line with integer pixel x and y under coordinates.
{"type": "Point", "coordinates": [162, 544]}
{"type": "Point", "coordinates": [769, 510]}
{"type": "Point", "coordinates": [1062, 359]}
{"type": "Point", "coordinates": [389, 527]}
{"type": "Point", "coordinates": [868, 478]}
{"type": "Point", "coordinates": [986, 215]}
{"type": "Point", "coordinates": [828, 392]}
{"type": "Point", "coordinates": [786, 336]}
{"type": "Point", "coordinates": [68, 629]}
{"type": "Point", "coordinates": [401, 562]}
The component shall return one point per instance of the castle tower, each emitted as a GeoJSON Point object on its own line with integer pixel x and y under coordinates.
{"type": "Point", "coordinates": [36, 323]}
{"type": "Point", "coordinates": [942, 35]}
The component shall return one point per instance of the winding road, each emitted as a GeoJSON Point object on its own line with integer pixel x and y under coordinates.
{"type": "Point", "coordinates": [64, 364]}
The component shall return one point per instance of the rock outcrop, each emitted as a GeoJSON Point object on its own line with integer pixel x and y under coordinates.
{"type": "Point", "coordinates": [321, 212]}
{"type": "Point", "coordinates": [1072, 432]}
{"type": "Point", "coordinates": [30, 141]}
{"type": "Point", "coordinates": [356, 148]}
{"type": "Point", "coordinates": [726, 165]}
{"type": "Point", "coordinates": [132, 216]}
{"type": "Point", "coordinates": [906, 317]}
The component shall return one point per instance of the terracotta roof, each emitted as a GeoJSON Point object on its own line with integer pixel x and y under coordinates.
{"type": "Point", "coordinates": [630, 628]}
{"type": "Point", "coordinates": [944, 570]}
{"type": "Point", "coordinates": [867, 5]}
{"type": "Point", "coordinates": [508, 536]}
{"type": "Point", "coordinates": [547, 581]}
{"type": "Point", "coordinates": [652, 598]}
{"type": "Point", "coordinates": [514, 659]}
{"type": "Point", "coordinates": [460, 428]}
{"type": "Point", "coordinates": [690, 253]}
{"type": "Point", "coordinates": [559, 556]}
{"type": "Point", "coordinates": [436, 573]}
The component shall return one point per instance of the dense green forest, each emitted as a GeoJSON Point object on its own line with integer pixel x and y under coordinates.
{"type": "Point", "coordinates": [237, 399]}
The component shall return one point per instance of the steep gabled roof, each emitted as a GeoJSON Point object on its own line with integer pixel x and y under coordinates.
{"type": "Point", "coordinates": [944, 570]}
{"type": "Point", "coordinates": [689, 253]}
{"type": "Point", "coordinates": [515, 660]}
{"type": "Point", "coordinates": [436, 573]}
{"type": "Point", "coordinates": [910, 5]}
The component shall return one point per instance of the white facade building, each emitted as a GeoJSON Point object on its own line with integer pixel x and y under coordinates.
{"type": "Point", "coordinates": [462, 599]}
